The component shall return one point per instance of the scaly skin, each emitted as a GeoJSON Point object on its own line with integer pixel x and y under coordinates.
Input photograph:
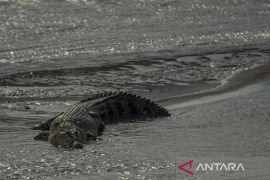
{"type": "Point", "coordinates": [86, 120]}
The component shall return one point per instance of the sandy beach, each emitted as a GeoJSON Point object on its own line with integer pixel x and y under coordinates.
{"type": "Point", "coordinates": [206, 61]}
{"type": "Point", "coordinates": [235, 129]}
{"type": "Point", "coordinates": [226, 127]}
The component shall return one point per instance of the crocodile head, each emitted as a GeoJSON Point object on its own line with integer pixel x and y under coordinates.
{"type": "Point", "coordinates": [69, 138]}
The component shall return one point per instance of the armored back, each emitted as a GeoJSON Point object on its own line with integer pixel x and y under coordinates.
{"type": "Point", "coordinates": [115, 107]}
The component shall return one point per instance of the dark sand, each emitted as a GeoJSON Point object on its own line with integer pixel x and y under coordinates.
{"type": "Point", "coordinates": [235, 129]}
{"type": "Point", "coordinates": [52, 53]}
{"type": "Point", "coordinates": [235, 82]}
{"type": "Point", "coordinates": [230, 126]}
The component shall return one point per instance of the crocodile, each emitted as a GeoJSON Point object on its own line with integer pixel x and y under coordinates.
{"type": "Point", "coordinates": [86, 120]}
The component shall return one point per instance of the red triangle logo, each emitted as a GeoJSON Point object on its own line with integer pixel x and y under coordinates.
{"type": "Point", "coordinates": [181, 167]}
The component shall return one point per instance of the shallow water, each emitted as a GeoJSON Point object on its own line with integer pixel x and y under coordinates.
{"type": "Point", "coordinates": [52, 53]}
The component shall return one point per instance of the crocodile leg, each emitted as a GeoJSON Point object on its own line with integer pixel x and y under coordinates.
{"type": "Point", "coordinates": [43, 136]}
{"type": "Point", "coordinates": [90, 137]}
{"type": "Point", "coordinates": [45, 125]}
{"type": "Point", "coordinates": [100, 123]}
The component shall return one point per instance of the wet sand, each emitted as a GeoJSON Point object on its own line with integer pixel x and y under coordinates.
{"type": "Point", "coordinates": [235, 129]}
{"type": "Point", "coordinates": [53, 53]}
{"type": "Point", "coordinates": [232, 126]}
{"type": "Point", "coordinates": [233, 83]}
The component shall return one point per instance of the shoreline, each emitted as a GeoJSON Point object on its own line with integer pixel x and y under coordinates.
{"type": "Point", "coordinates": [230, 130]}
{"type": "Point", "coordinates": [244, 82]}
{"type": "Point", "coordinates": [235, 82]}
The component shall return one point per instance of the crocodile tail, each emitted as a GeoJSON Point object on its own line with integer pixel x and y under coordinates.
{"type": "Point", "coordinates": [124, 105]}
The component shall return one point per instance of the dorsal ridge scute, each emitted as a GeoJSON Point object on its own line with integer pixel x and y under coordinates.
{"type": "Point", "coordinates": [132, 105]}
{"type": "Point", "coordinates": [99, 96]}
